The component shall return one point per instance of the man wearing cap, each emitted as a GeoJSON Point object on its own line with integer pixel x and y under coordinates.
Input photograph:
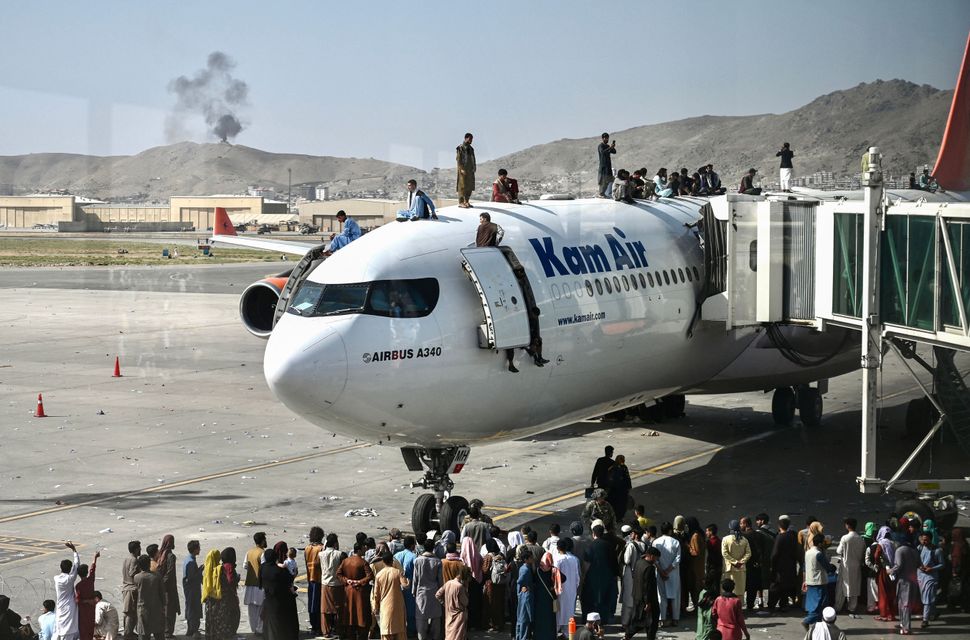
{"type": "Point", "coordinates": [668, 568]}
{"type": "Point", "coordinates": [784, 176]}
{"type": "Point", "coordinates": [632, 552]}
{"type": "Point", "coordinates": [826, 627]}
{"type": "Point", "coordinates": [592, 629]}
{"type": "Point", "coordinates": [601, 470]}
{"type": "Point", "coordinates": [747, 184]}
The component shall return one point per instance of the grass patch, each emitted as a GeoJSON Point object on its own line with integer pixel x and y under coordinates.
{"type": "Point", "coordinates": [44, 252]}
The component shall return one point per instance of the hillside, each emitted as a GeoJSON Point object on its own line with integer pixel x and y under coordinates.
{"type": "Point", "coordinates": [828, 134]}
{"type": "Point", "coordinates": [188, 168]}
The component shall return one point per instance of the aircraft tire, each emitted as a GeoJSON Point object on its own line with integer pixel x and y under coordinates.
{"type": "Point", "coordinates": [783, 406]}
{"type": "Point", "coordinates": [422, 514]}
{"type": "Point", "coordinates": [913, 506]}
{"type": "Point", "coordinates": [452, 512]}
{"type": "Point", "coordinates": [810, 406]}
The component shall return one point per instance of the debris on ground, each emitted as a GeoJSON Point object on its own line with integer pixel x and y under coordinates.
{"type": "Point", "coordinates": [361, 513]}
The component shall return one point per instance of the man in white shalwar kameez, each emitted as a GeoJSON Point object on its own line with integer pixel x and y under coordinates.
{"type": "Point", "coordinates": [668, 575]}
{"type": "Point", "coordinates": [631, 554]}
{"type": "Point", "coordinates": [852, 550]}
{"type": "Point", "coordinates": [65, 605]}
{"type": "Point", "coordinates": [568, 565]}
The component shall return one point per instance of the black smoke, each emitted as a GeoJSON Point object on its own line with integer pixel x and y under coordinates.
{"type": "Point", "coordinates": [212, 93]}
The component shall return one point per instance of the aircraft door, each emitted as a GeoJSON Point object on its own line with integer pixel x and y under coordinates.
{"type": "Point", "coordinates": [504, 301]}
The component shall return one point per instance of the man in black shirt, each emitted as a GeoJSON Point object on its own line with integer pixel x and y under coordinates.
{"type": "Point", "coordinates": [605, 176]}
{"type": "Point", "coordinates": [786, 154]}
{"type": "Point", "coordinates": [601, 470]}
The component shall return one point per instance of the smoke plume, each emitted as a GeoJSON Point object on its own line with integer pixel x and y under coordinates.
{"type": "Point", "coordinates": [212, 93]}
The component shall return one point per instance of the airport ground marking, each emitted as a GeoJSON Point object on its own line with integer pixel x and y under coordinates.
{"type": "Point", "coordinates": [182, 483]}
{"type": "Point", "coordinates": [659, 469]}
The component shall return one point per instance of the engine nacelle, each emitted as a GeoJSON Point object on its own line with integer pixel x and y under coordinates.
{"type": "Point", "coordinates": [257, 305]}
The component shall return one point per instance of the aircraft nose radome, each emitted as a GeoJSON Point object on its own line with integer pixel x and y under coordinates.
{"type": "Point", "coordinates": [306, 368]}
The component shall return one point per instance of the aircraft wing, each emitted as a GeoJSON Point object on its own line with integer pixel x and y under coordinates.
{"type": "Point", "coordinates": [228, 236]}
{"type": "Point", "coordinates": [282, 246]}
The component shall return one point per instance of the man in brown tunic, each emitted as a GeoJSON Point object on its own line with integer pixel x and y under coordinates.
{"type": "Point", "coordinates": [454, 596]}
{"type": "Point", "coordinates": [356, 574]}
{"type": "Point", "coordinates": [465, 158]}
{"type": "Point", "coordinates": [129, 592]}
{"type": "Point", "coordinates": [151, 615]}
{"type": "Point", "coordinates": [387, 600]}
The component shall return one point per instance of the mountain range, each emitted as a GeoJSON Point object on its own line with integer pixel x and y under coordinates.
{"type": "Point", "coordinates": [830, 133]}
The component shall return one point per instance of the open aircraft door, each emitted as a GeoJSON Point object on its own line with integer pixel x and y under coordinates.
{"type": "Point", "coordinates": [506, 296]}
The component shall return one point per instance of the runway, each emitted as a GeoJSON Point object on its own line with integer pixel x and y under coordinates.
{"type": "Point", "coordinates": [191, 442]}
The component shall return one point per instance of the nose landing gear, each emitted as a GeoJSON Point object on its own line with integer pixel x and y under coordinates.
{"type": "Point", "coordinates": [441, 509]}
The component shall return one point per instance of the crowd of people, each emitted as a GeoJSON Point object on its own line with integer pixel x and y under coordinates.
{"type": "Point", "coordinates": [604, 569]}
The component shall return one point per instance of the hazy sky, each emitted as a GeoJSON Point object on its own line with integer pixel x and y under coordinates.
{"type": "Point", "coordinates": [402, 81]}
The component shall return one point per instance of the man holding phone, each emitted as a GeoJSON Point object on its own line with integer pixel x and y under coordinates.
{"type": "Point", "coordinates": [605, 176]}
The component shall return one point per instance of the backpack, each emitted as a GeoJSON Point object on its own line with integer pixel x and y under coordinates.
{"type": "Point", "coordinates": [499, 573]}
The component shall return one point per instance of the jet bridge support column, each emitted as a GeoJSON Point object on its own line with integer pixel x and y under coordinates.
{"type": "Point", "coordinates": [869, 481]}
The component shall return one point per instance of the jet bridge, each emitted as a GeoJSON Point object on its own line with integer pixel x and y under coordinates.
{"type": "Point", "coordinates": [898, 273]}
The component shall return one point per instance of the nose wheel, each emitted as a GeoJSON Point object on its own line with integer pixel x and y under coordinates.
{"type": "Point", "coordinates": [438, 510]}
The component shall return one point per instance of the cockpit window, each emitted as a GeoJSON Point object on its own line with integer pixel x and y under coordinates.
{"type": "Point", "coordinates": [389, 298]}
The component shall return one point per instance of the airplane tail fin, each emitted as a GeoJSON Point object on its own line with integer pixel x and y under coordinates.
{"type": "Point", "coordinates": [223, 225]}
{"type": "Point", "coordinates": [952, 168]}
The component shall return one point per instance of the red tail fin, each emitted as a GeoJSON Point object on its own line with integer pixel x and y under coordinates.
{"type": "Point", "coordinates": [952, 169]}
{"type": "Point", "coordinates": [223, 225]}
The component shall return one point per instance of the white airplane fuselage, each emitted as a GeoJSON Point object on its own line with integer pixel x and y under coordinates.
{"type": "Point", "coordinates": [426, 382]}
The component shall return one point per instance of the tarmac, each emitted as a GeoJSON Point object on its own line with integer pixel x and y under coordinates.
{"type": "Point", "coordinates": [190, 441]}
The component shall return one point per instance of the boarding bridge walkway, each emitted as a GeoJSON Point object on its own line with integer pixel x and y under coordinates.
{"type": "Point", "coordinates": [896, 271]}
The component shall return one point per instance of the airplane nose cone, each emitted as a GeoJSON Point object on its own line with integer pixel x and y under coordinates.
{"type": "Point", "coordinates": [305, 365]}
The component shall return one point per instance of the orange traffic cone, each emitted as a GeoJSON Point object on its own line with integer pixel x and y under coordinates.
{"type": "Point", "coordinates": [40, 407]}
{"type": "Point", "coordinates": [572, 628]}
{"type": "Point", "coordinates": [117, 373]}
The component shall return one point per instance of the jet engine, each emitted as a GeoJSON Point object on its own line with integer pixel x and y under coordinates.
{"type": "Point", "coordinates": [257, 305]}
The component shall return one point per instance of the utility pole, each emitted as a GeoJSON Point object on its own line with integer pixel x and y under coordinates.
{"type": "Point", "coordinates": [289, 189]}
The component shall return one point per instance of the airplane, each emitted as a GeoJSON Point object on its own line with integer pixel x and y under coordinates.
{"type": "Point", "coordinates": [400, 337]}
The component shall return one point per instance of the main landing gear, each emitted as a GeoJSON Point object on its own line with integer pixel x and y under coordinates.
{"type": "Point", "coordinates": [803, 398]}
{"type": "Point", "coordinates": [438, 510]}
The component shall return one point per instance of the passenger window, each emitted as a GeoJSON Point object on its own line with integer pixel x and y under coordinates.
{"type": "Point", "coordinates": [666, 277]}
{"type": "Point", "coordinates": [633, 281]}
{"type": "Point", "coordinates": [589, 288]}
{"type": "Point", "coordinates": [616, 284]}
{"type": "Point", "coordinates": [650, 279]}
{"type": "Point", "coordinates": [680, 272]}
{"type": "Point", "coordinates": [567, 290]}
{"type": "Point", "coordinates": [599, 287]}
{"type": "Point", "coordinates": [555, 292]}
{"type": "Point", "coordinates": [696, 274]}
{"type": "Point", "coordinates": [690, 278]}
{"type": "Point", "coordinates": [643, 283]}
{"type": "Point", "coordinates": [656, 275]}
{"type": "Point", "coordinates": [609, 287]}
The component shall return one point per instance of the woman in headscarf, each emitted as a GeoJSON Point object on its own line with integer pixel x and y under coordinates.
{"type": "Point", "coordinates": [870, 569]}
{"type": "Point", "coordinates": [693, 557]}
{"type": "Point", "coordinates": [219, 584]}
{"type": "Point", "coordinates": [280, 621]}
{"type": "Point", "coordinates": [440, 549]}
{"type": "Point", "coordinates": [884, 558]}
{"type": "Point", "coordinates": [546, 599]}
{"type": "Point", "coordinates": [620, 486]}
{"type": "Point", "coordinates": [496, 577]}
{"type": "Point", "coordinates": [813, 528]}
{"type": "Point", "coordinates": [473, 560]}
{"type": "Point", "coordinates": [930, 527]}
{"type": "Point", "coordinates": [165, 563]}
